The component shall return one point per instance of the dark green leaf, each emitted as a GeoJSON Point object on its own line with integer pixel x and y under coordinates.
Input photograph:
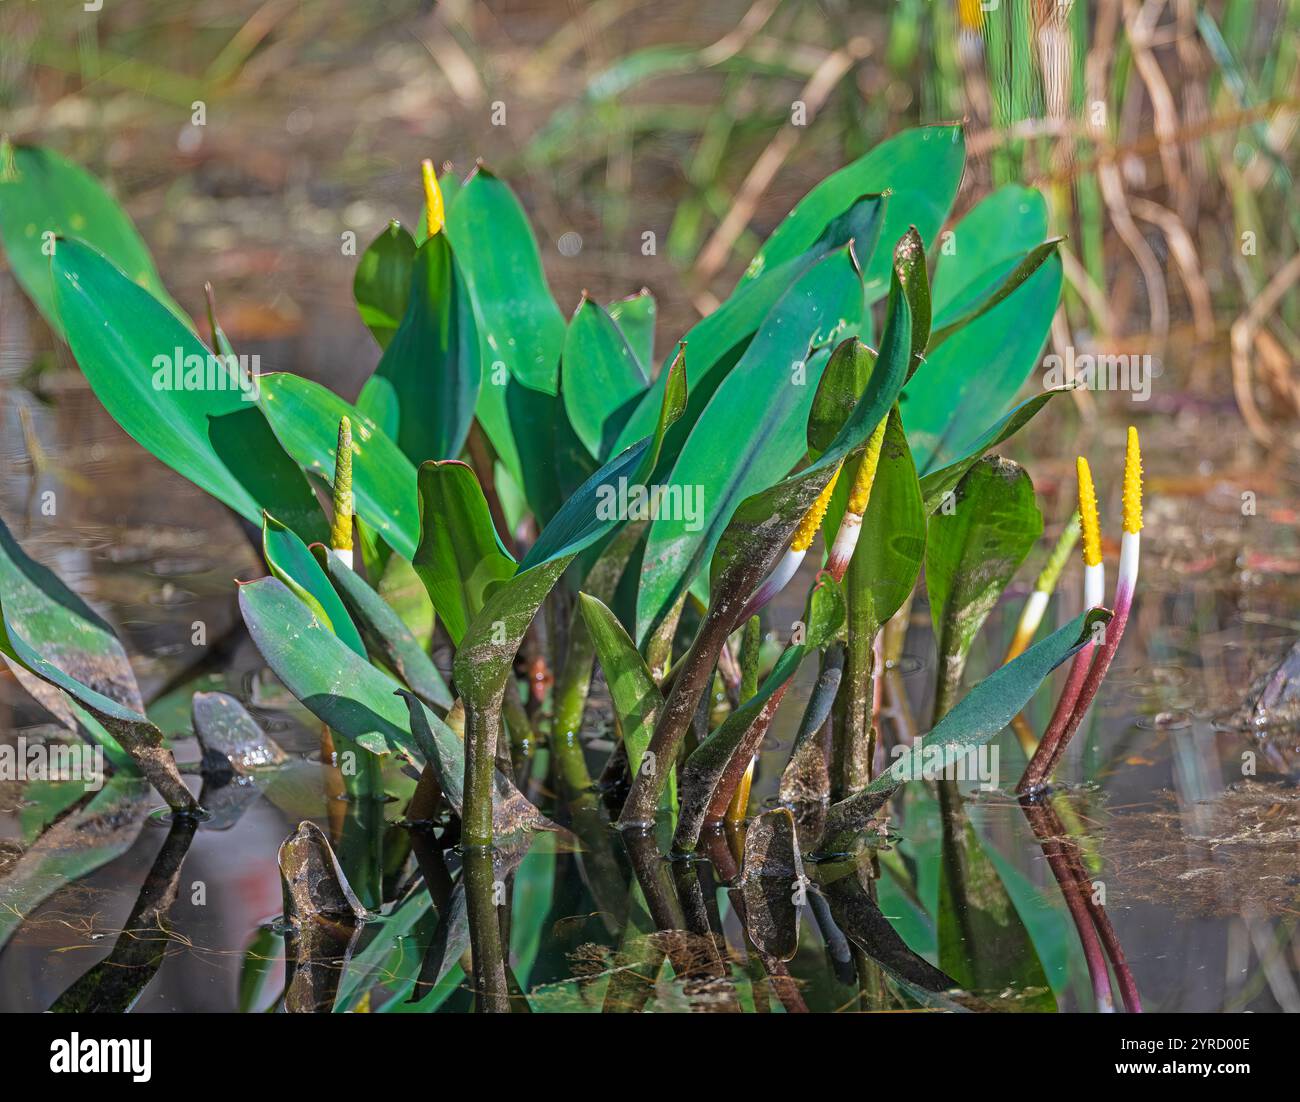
{"type": "Point", "coordinates": [43, 197]}
{"type": "Point", "coordinates": [460, 555]}
{"type": "Point", "coordinates": [291, 562]}
{"type": "Point", "coordinates": [306, 416]}
{"type": "Point", "coordinates": [203, 424]}
{"type": "Point", "coordinates": [600, 378]}
{"type": "Point", "coordinates": [385, 634]}
{"type": "Point", "coordinates": [424, 390]}
{"type": "Point", "coordinates": [382, 284]}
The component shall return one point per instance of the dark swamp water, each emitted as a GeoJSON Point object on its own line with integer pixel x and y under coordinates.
{"type": "Point", "coordinates": [1198, 864]}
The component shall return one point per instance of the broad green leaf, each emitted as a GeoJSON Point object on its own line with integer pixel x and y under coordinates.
{"type": "Point", "coordinates": [460, 554]}
{"type": "Point", "coordinates": [920, 167]}
{"type": "Point", "coordinates": [947, 470]}
{"type": "Point", "coordinates": [84, 840]}
{"type": "Point", "coordinates": [761, 528]}
{"type": "Point", "coordinates": [972, 373]}
{"type": "Point", "coordinates": [996, 232]}
{"type": "Point", "coordinates": [44, 197]}
{"type": "Point", "coordinates": [600, 378]}
{"type": "Point", "coordinates": [306, 416]}
{"type": "Point", "coordinates": [292, 562]}
{"type": "Point", "coordinates": [972, 553]}
{"type": "Point", "coordinates": [197, 415]}
{"type": "Point", "coordinates": [385, 634]}
{"type": "Point", "coordinates": [636, 697]}
{"type": "Point", "coordinates": [63, 629]}
{"type": "Point", "coordinates": [520, 328]}
{"type": "Point", "coordinates": [753, 430]}
{"type": "Point", "coordinates": [73, 650]}
{"type": "Point", "coordinates": [423, 392]}
{"type": "Point", "coordinates": [975, 719]}
{"type": "Point", "coordinates": [718, 341]}
{"type": "Point", "coordinates": [333, 682]}
{"type": "Point", "coordinates": [382, 284]}
{"type": "Point", "coordinates": [594, 509]}
{"type": "Point", "coordinates": [635, 316]}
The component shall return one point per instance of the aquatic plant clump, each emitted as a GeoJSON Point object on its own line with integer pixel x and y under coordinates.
{"type": "Point", "coordinates": [819, 427]}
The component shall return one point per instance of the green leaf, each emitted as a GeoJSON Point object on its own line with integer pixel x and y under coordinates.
{"type": "Point", "coordinates": [305, 417]}
{"type": "Point", "coordinates": [423, 392]}
{"type": "Point", "coordinates": [753, 431]}
{"type": "Point", "coordinates": [995, 234]}
{"type": "Point", "coordinates": [994, 299]}
{"type": "Point", "coordinates": [382, 284]}
{"type": "Point", "coordinates": [460, 554]}
{"type": "Point", "coordinates": [202, 424]}
{"type": "Point", "coordinates": [718, 341]}
{"type": "Point", "coordinates": [43, 197]}
{"type": "Point", "coordinates": [946, 471]}
{"type": "Point", "coordinates": [975, 719]}
{"type": "Point", "coordinates": [291, 562]}
{"type": "Point", "coordinates": [333, 682]}
{"type": "Point", "coordinates": [763, 525]}
{"type": "Point", "coordinates": [593, 509]}
{"type": "Point", "coordinates": [600, 378]}
{"type": "Point", "coordinates": [128, 726]}
{"type": "Point", "coordinates": [67, 632]}
{"type": "Point", "coordinates": [920, 167]}
{"type": "Point", "coordinates": [635, 316]}
{"type": "Point", "coordinates": [891, 544]}
{"type": "Point", "coordinates": [636, 697]}
{"type": "Point", "coordinates": [974, 551]}
{"type": "Point", "coordinates": [520, 328]}
{"type": "Point", "coordinates": [386, 636]}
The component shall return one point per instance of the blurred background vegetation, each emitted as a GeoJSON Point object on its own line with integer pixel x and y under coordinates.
{"type": "Point", "coordinates": [1162, 132]}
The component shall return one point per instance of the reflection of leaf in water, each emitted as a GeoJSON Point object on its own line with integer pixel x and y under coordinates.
{"type": "Point", "coordinates": [983, 944]}
{"type": "Point", "coordinates": [78, 844]}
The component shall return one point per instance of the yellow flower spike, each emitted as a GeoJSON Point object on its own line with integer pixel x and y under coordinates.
{"type": "Point", "coordinates": [970, 14]}
{"type": "Point", "coordinates": [860, 495]}
{"type": "Point", "coordinates": [433, 209]}
{"type": "Point", "coordinates": [803, 535]}
{"type": "Point", "coordinates": [1088, 515]}
{"type": "Point", "coordinates": [341, 527]}
{"type": "Point", "coordinates": [1132, 484]}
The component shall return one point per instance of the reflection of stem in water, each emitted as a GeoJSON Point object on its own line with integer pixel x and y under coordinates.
{"type": "Point", "coordinates": [1089, 916]}
{"type": "Point", "coordinates": [115, 983]}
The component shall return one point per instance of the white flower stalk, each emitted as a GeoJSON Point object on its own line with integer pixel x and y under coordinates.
{"type": "Point", "coordinates": [1094, 581]}
{"type": "Point", "coordinates": [846, 538]}
{"type": "Point", "coordinates": [1031, 617]}
{"type": "Point", "coordinates": [1086, 676]}
{"type": "Point", "coordinates": [341, 526]}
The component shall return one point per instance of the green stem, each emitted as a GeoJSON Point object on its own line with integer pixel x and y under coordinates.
{"type": "Point", "coordinates": [570, 703]}
{"type": "Point", "coordinates": [491, 990]}
{"type": "Point", "coordinates": [482, 728]}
